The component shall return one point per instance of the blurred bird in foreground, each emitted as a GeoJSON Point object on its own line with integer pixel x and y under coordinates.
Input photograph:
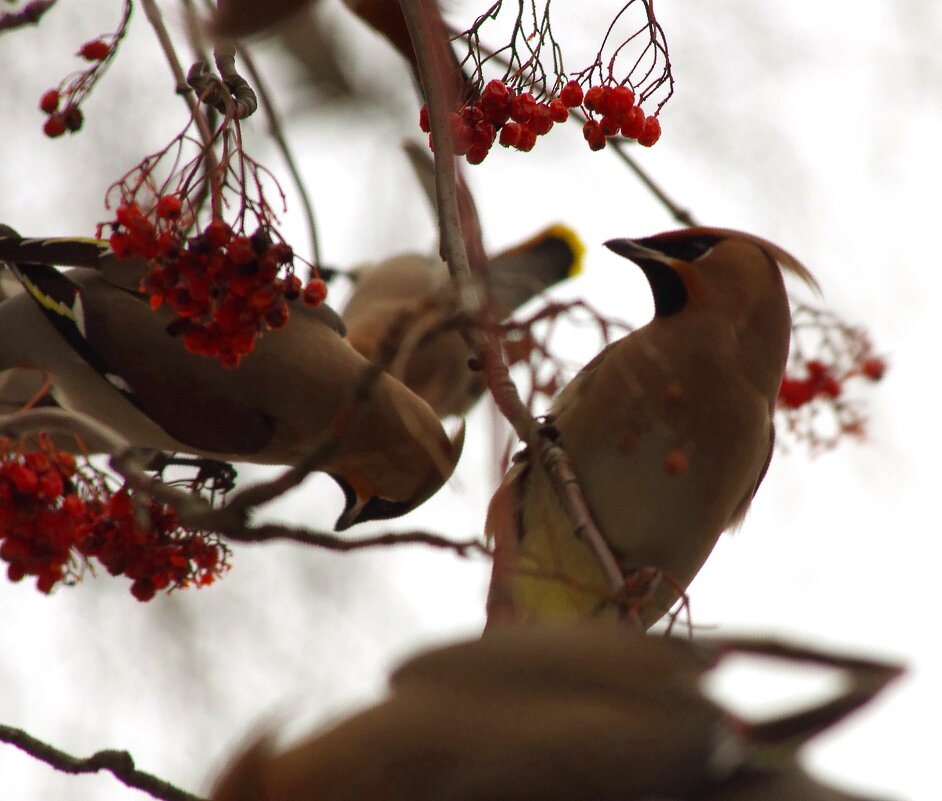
{"type": "Point", "coordinates": [551, 713]}
{"type": "Point", "coordinates": [669, 431]}
{"type": "Point", "coordinates": [109, 356]}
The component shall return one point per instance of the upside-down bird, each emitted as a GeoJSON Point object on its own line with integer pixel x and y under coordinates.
{"type": "Point", "coordinates": [110, 356]}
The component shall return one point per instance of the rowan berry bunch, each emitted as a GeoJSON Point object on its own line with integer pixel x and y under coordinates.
{"type": "Point", "coordinates": [827, 354]}
{"type": "Point", "coordinates": [57, 514]}
{"type": "Point", "coordinates": [631, 68]}
{"type": "Point", "coordinates": [224, 286]}
{"type": "Point", "coordinates": [515, 119]}
{"type": "Point", "coordinates": [62, 105]}
{"type": "Point", "coordinates": [227, 282]}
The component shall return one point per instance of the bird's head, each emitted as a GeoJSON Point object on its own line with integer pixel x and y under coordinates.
{"type": "Point", "coordinates": [382, 483]}
{"type": "Point", "coordinates": [724, 272]}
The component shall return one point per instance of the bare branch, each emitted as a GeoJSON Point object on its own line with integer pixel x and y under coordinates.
{"type": "Point", "coordinates": [332, 542]}
{"type": "Point", "coordinates": [152, 12]}
{"type": "Point", "coordinates": [429, 39]}
{"type": "Point", "coordinates": [29, 15]}
{"type": "Point", "coordinates": [119, 763]}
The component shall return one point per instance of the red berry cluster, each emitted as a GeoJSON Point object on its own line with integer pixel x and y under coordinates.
{"type": "Point", "coordinates": [53, 518]}
{"type": "Point", "coordinates": [223, 286]}
{"type": "Point", "coordinates": [70, 118]}
{"type": "Point", "coordinates": [822, 381]}
{"type": "Point", "coordinates": [516, 119]}
{"type": "Point", "coordinates": [617, 114]}
{"type": "Point", "coordinates": [39, 513]}
{"type": "Point", "coordinates": [158, 556]}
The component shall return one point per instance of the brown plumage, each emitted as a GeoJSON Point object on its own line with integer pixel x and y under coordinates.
{"type": "Point", "coordinates": [110, 357]}
{"type": "Point", "coordinates": [669, 431]}
{"type": "Point", "coordinates": [410, 299]}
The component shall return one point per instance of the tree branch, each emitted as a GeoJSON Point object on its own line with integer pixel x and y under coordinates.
{"type": "Point", "coordinates": [429, 39]}
{"type": "Point", "coordinates": [119, 763]}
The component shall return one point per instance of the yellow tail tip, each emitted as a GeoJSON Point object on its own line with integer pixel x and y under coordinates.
{"type": "Point", "coordinates": [573, 242]}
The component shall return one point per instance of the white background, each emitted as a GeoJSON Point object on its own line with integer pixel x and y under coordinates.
{"type": "Point", "coordinates": [815, 124]}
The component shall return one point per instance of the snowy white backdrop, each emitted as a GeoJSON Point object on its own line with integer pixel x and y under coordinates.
{"type": "Point", "coordinates": [814, 124]}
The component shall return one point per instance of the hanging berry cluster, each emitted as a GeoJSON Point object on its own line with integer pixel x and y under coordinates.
{"type": "Point", "coordinates": [826, 355]}
{"type": "Point", "coordinates": [612, 112]}
{"type": "Point", "coordinates": [516, 119]}
{"type": "Point", "coordinates": [62, 104]}
{"type": "Point", "coordinates": [57, 515]}
{"type": "Point", "coordinates": [223, 286]}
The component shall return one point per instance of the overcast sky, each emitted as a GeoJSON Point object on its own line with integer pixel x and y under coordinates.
{"type": "Point", "coordinates": [813, 126]}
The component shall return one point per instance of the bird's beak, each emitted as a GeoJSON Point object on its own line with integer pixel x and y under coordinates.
{"type": "Point", "coordinates": [667, 284]}
{"type": "Point", "coordinates": [359, 510]}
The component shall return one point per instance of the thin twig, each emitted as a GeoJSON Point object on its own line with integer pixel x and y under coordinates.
{"type": "Point", "coordinates": [332, 542]}
{"type": "Point", "coordinates": [152, 12]}
{"type": "Point", "coordinates": [429, 39]}
{"type": "Point", "coordinates": [274, 128]}
{"type": "Point", "coordinates": [119, 763]}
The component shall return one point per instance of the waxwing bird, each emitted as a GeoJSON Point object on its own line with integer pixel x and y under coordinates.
{"type": "Point", "coordinates": [410, 298]}
{"type": "Point", "coordinates": [543, 713]}
{"type": "Point", "coordinates": [543, 716]}
{"type": "Point", "coordinates": [110, 357]}
{"type": "Point", "coordinates": [669, 430]}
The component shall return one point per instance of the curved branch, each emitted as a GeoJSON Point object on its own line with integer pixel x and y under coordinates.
{"type": "Point", "coordinates": [119, 763]}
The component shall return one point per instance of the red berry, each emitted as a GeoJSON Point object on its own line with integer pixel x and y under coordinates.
{"type": "Point", "coordinates": [609, 125]}
{"type": "Point", "coordinates": [495, 91]}
{"type": "Point", "coordinates": [96, 50]}
{"type": "Point", "coordinates": [510, 134]}
{"type": "Point", "coordinates": [315, 292]}
{"type": "Point", "coordinates": [461, 135]}
{"type": "Point", "coordinates": [873, 368]}
{"type": "Point", "coordinates": [471, 116]}
{"type": "Point", "coordinates": [24, 479]}
{"type": "Point", "coordinates": [73, 118]}
{"type": "Point", "coordinates": [476, 154]}
{"type": "Point", "coordinates": [558, 110]}
{"type": "Point", "coordinates": [169, 207]}
{"type": "Point", "coordinates": [54, 126]}
{"type": "Point", "coordinates": [595, 99]}
{"type": "Point", "coordinates": [571, 94]}
{"type": "Point", "coordinates": [830, 387]}
{"type": "Point", "coordinates": [521, 107]}
{"type": "Point", "coordinates": [240, 250]}
{"type": "Point", "coordinates": [540, 120]}
{"type": "Point", "coordinates": [495, 102]}
{"type": "Point", "coordinates": [143, 589]}
{"type": "Point", "coordinates": [291, 287]}
{"type": "Point", "coordinates": [276, 317]}
{"type": "Point", "coordinates": [591, 128]}
{"type": "Point", "coordinates": [423, 120]}
{"type": "Point", "coordinates": [634, 123]}
{"type": "Point", "coordinates": [217, 233]}
{"type": "Point", "coordinates": [527, 140]}
{"type": "Point", "coordinates": [650, 133]}
{"type": "Point", "coordinates": [483, 135]}
{"type": "Point", "coordinates": [49, 102]}
{"type": "Point", "coordinates": [794, 393]}
{"type": "Point", "coordinates": [622, 100]}
{"type": "Point", "coordinates": [127, 213]}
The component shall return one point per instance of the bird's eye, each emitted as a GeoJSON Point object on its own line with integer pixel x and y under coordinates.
{"type": "Point", "coordinates": [684, 247]}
